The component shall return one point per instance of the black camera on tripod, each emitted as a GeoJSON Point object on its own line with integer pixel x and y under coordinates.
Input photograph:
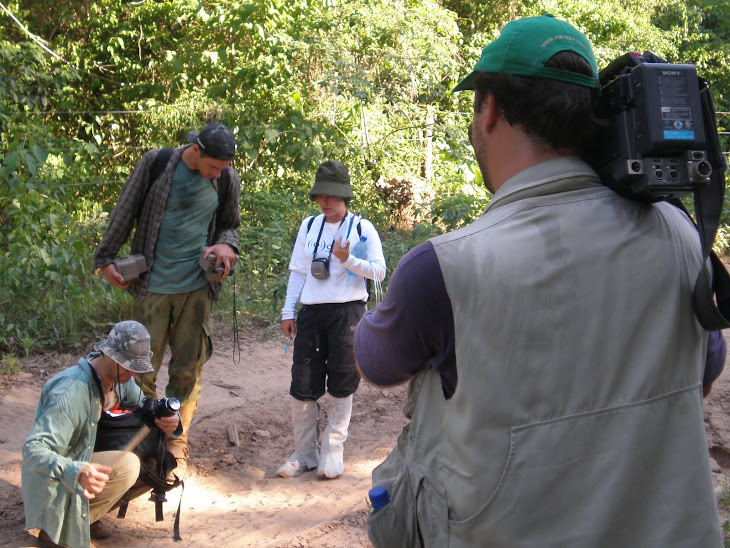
{"type": "Point", "coordinates": [164, 407]}
{"type": "Point", "coordinates": [660, 139]}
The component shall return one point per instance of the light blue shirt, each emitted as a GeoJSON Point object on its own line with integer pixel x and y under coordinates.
{"type": "Point", "coordinates": [59, 445]}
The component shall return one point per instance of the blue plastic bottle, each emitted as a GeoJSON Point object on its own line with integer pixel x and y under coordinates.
{"type": "Point", "coordinates": [378, 497]}
{"type": "Point", "coordinates": [360, 251]}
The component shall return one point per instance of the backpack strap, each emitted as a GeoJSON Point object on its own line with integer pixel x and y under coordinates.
{"type": "Point", "coordinates": [368, 281]}
{"type": "Point", "coordinates": [158, 166]}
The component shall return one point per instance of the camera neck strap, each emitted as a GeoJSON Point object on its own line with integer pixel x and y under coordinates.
{"type": "Point", "coordinates": [319, 235]}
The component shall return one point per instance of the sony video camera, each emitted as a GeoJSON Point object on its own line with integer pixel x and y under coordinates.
{"type": "Point", "coordinates": [164, 407]}
{"type": "Point", "coordinates": [660, 139]}
{"type": "Point", "coordinates": [660, 142]}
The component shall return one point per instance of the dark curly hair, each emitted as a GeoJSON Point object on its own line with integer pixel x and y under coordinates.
{"type": "Point", "coordinates": [555, 114]}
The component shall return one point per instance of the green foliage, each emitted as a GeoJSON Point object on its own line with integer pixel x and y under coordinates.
{"type": "Point", "coordinates": [45, 285]}
{"type": "Point", "coordinates": [457, 210]}
{"type": "Point", "coordinates": [298, 82]}
{"type": "Point", "coordinates": [9, 365]}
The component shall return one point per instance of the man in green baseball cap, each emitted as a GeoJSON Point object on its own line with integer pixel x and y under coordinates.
{"type": "Point", "coordinates": [555, 360]}
{"type": "Point", "coordinates": [523, 75]}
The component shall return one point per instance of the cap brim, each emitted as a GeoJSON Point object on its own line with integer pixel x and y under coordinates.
{"type": "Point", "coordinates": [466, 83]}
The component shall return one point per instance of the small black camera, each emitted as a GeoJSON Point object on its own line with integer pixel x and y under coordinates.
{"type": "Point", "coordinates": [320, 268]}
{"type": "Point", "coordinates": [212, 271]}
{"type": "Point", "coordinates": [164, 407]}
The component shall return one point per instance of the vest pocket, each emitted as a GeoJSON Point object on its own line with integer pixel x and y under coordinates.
{"type": "Point", "coordinates": [611, 478]}
{"type": "Point", "coordinates": [417, 514]}
{"type": "Point", "coordinates": [395, 523]}
{"type": "Point", "coordinates": [387, 529]}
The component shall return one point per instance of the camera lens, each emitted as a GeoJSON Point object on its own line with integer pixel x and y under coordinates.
{"type": "Point", "coordinates": [170, 406]}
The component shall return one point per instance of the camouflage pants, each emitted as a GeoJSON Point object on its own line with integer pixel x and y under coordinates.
{"type": "Point", "coordinates": [183, 321]}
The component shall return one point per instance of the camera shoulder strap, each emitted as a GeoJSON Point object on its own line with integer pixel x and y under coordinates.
{"type": "Point", "coordinates": [710, 298]}
{"type": "Point", "coordinates": [311, 220]}
{"type": "Point", "coordinates": [319, 236]}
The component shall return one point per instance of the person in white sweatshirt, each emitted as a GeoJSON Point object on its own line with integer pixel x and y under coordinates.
{"type": "Point", "coordinates": [330, 282]}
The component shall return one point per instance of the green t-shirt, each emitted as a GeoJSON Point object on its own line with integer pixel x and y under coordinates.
{"type": "Point", "coordinates": [183, 231]}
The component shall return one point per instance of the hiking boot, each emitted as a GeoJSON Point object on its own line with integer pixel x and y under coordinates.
{"type": "Point", "coordinates": [100, 530]}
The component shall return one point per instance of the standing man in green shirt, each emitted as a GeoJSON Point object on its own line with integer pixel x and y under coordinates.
{"type": "Point", "coordinates": [181, 200]}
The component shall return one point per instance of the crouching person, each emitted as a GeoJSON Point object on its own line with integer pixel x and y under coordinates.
{"type": "Point", "coordinates": [66, 486]}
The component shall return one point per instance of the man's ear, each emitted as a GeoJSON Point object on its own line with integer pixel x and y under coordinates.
{"type": "Point", "coordinates": [491, 113]}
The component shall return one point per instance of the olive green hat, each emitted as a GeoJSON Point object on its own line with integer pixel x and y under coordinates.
{"type": "Point", "coordinates": [525, 45]}
{"type": "Point", "coordinates": [332, 179]}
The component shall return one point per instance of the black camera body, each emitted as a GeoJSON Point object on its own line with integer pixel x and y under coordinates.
{"type": "Point", "coordinates": [659, 142]}
{"type": "Point", "coordinates": [657, 136]}
{"type": "Point", "coordinates": [164, 407]}
{"type": "Point", "coordinates": [320, 268]}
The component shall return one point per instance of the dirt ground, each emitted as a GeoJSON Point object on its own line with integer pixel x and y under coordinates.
{"type": "Point", "coordinates": [232, 496]}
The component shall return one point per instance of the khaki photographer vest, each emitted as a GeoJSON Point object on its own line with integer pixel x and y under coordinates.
{"type": "Point", "coordinates": [577, 420]}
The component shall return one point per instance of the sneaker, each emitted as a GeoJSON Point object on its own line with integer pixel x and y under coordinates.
{"type": "Point", "coordinates": [100, 530]}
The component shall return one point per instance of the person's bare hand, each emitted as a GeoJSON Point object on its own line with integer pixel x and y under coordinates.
{"type": "Point", "coordinates": [342, 252]}
{"type": "Point", "coordinates": [289, 328]}
{"type": "Point", "coordinates": [168, 424]}
{"type": "Point", "coordinates": [224, 255]}
{"type": "Point", "coordinates": [93, 478]}
{"type": "Point", "coordinates": [113, 276]}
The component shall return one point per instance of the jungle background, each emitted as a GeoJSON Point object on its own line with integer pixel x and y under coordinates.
{"type": "Point", "coordinates": [86, 87]}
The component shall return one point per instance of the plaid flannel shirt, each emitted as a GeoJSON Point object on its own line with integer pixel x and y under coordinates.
{"type": "Point", "coordinates": [144, 201]}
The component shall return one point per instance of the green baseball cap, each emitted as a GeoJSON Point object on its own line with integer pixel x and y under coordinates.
{"type": "Point", "coordinates": [525, 45]}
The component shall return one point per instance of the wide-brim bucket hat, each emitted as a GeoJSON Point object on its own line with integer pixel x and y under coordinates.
{"type": "Point", "coordinates": [332, 179]}
{"type": "Point", "coordinates": [128, 344]}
